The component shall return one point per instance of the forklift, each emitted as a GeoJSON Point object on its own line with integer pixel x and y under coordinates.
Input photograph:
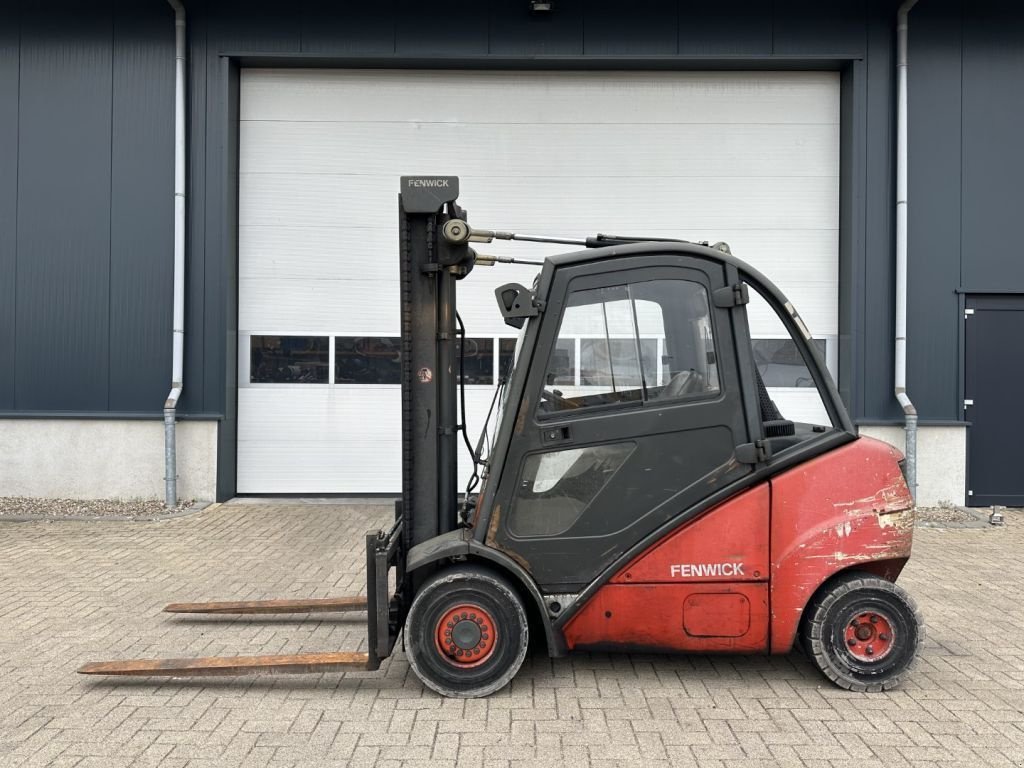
{"type": "Point", "coordinates": [641, 493]}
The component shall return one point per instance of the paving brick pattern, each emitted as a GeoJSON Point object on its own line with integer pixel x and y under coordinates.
{"type": "Point", "coordinates": [77, 591]}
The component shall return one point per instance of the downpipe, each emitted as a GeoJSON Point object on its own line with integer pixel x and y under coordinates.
{"type": "Point", "coordinates": [170, 449]}
{"type": "Point", "coordinates": [900, 373]}
{"type": "Point", "coordinates": [178, 339]}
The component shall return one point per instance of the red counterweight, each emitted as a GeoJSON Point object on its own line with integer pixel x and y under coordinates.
{"type": "Point", "coordinates": [849, 509]}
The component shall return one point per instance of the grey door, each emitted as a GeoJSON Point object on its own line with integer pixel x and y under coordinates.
{"type": "Point", "coordinates": [994, 390]}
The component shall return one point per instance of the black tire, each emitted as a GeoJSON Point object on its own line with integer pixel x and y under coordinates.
{"type": "Point", "coordinates": [491, 632]}
{"type": "Point", "coordinates": [863, 633]}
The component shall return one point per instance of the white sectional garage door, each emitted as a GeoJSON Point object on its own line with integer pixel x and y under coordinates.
{"type": "Point", "coordinates": [749, 158]}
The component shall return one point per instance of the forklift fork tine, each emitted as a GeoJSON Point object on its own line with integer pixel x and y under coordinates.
{"type": "Point", "coordinates": [314, 605]}
{"type": "Point", "coordinates": [229, 665]}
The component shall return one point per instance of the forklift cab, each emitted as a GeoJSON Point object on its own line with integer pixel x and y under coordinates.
{"type": "Point", "coordinates": [636, 400]}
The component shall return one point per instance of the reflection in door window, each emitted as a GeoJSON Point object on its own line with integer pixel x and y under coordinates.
{"type": "Point", "coordinates": [477, 363]}
{"type": "Point", "coordinates": [649, 340]}
{"type": "Point", "coordinates": [556, 488]}
{"type": "Point", "coordinates": [367, 360]}
{"type": "Point", "coordinates": [288, 359]}
{"type": "Point", "coordinates": [780, 363]}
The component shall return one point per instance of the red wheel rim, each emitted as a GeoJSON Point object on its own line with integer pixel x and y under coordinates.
{"type": "Point", "coordinates": [465, 635]}
{"type": "Point", "coordinates": [869, 636]}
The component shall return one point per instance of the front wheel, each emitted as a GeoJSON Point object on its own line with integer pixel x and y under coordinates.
{"type": "Point", "coordinates": [467, 633]}
{"type": "Point", "coordinates": [863, 633]}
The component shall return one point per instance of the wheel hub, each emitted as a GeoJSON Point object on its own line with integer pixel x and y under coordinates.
{"type": "Point", "coordinates": [869, 636]}
{"type": "Point", "coordinates": [466, 635]}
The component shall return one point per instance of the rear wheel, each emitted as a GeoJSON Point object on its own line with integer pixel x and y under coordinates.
{"type": "Point", "coordinates": [863, 633]}
{"type": "Point", "coordinates": [466, 634]}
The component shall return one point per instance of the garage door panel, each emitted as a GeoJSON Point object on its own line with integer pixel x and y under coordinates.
{"type": "Point", "coordinates": [360, 308]}
{"type": "Point", "coordinates": [325, 414]}
{"type": "Point", "coordinates": [336, 252]}
{"type": "Point", "coordinates": [597, 202]}
{"type": "Point", "coordinates": [317, 440]}
{"type": "Point", "coordinates": [749, 158]}
{"type": "Point", "coordinates": [340, 467]}
{"type": "Point", "coordinates": [539, 97]}
{"type": "Point", "coordinates": [360, 254]}
{"type": "Point", "coordinates": [726, 150]}
{"type": "Point", "coordinates": [322, 306]}
{"type": "Point", "coordinates": [315, 305]}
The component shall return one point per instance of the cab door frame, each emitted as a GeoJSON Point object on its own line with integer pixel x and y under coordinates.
{"type": "Point", "coordinates": [568, 563]}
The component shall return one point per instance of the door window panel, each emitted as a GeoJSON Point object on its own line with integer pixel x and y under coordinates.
{"type": "Point", "coordinates": [288, 359]}
{"type": "Point", "coordinates": [556, 488]}
{"type": "Point", "coordinates": [650, 340]}
{"type": "Point", "coordinates": [367, 360]}
{"type": "Point", "coordinates": [477, 360]}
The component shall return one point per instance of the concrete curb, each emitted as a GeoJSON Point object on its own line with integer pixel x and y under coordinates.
{"type": "Point", "coordinates": [200, 506]}
{"type": "Point", "coordinates": [981, 520]}
{"type": "Point", "coordinates": [967, 525]}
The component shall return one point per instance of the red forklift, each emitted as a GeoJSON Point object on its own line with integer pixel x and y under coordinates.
{"type": "Point", "coordinates": [644, 494]}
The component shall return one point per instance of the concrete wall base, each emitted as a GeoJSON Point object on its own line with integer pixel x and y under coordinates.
{"type": "Point", "coordinates": [941, 461]}
{"type": "Point", "coordinates": [104, 459]}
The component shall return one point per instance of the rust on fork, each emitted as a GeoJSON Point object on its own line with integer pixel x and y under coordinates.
{"type": "Point", "coordinates": [229, 665]}
{"type": "Point", "coordinates": [313, 605]}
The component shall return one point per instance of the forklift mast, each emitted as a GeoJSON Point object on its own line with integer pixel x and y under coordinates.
{"type": "Point", "coordinates": [430, 267]}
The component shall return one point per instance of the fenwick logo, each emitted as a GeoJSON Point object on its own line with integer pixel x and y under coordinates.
{"type": "Point", "coordinates": [696, 570]}
{"type": "Point", "coordinates": [428, 182]}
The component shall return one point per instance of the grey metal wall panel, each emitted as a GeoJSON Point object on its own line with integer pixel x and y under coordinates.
{"type": "Point", "coordinates": [459, 28]}
{"type": "Point", "coordinates": [933, 320]}
{"type": "Point", "coordinates": [348, 29]}
{"type": "Point", "coordinates": [214, 271]}
{"type": "Point", "coordinates": [9, 33]}
{"type": "Point", "coordinates": [810, 27]}
{"type": "Point", "coordinates": [264, 26]}
{"type": "Point", "coordinates": [142, 206]}
{"type": "Point", "coordinates": [643, 27]}
{"type": "Point", "coordinates": [875, 289]}
{"type": "Point", "coordinates": [519, 31]}
{"type": "Point", "coordinates": [731, 28]}
{"type": "Point", "coordinates": [850, 246]}
{"type": "Point", "coordinates": [64, 207]}
{"type": "Point", "coordinates": [993, 162]}
{"type": "Point", "coordinates": [227, 432]}
{"type": "Point", "coordinates": [195, 251]}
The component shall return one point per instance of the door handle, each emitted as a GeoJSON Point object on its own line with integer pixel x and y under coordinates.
{"type": "Point", "coordinates": [550, 435]}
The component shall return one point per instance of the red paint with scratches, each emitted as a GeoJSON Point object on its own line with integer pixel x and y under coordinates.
{"type": "Point", "coordinates": [849, 508]}
{"type": "Point", "coordinates": [735, 531]}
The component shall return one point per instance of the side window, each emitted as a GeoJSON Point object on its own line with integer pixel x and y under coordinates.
{"type": "Point", "coordinates": [650, 340]}
{"type": "Point", "coordinates": [782, 369]}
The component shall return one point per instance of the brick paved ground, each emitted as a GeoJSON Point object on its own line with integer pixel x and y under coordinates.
{"type": "Point", "coordinates": [71, 592]}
